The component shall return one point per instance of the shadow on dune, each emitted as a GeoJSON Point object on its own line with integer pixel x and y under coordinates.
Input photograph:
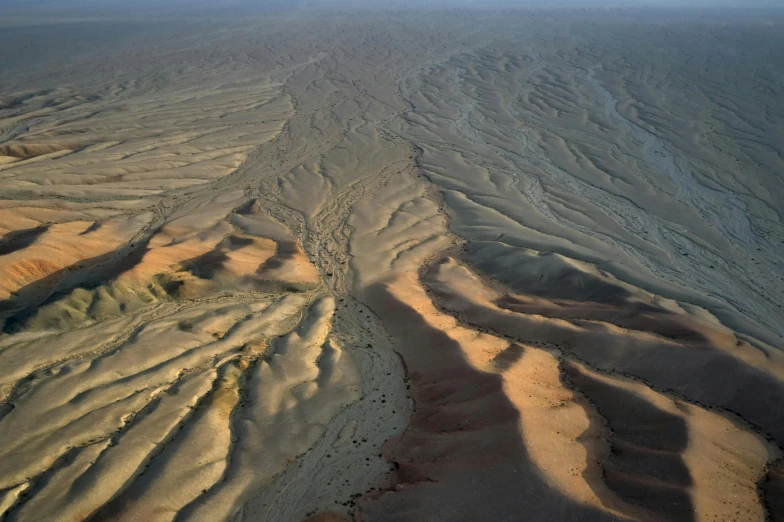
{"type": "Point", "coordinates": [87, 273]}
{"type": "Point", "coordinates": [462, 456]}
{"type": "Point", "coordinates": [645, 465]}
{"type": "Point", "coordinates": [20, 239]}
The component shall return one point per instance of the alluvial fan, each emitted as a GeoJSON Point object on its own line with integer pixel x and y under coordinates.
{"type": "Point", "coordinates": [391, 264]}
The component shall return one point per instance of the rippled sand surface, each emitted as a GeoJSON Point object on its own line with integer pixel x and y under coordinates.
{"type": "Point", "coordinates": [393, 265]}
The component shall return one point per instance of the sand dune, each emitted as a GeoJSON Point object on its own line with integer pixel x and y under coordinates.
{"type": "Point", "coordinates": [396, 265]}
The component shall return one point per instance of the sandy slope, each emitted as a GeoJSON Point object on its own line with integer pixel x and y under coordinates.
{"type": "Point", "coordinates": [458, 265]}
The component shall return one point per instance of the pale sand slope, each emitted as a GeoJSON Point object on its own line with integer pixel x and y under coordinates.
{"type": "Point", "coordinates": [458, 265]}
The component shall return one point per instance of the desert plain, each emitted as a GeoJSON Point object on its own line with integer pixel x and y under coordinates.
{"type": "Point", "coordinates": [343, 263]}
